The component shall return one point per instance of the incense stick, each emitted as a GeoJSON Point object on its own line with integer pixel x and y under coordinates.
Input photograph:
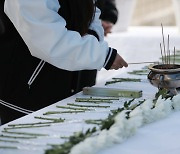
{"type": "Point", "coordinates": [162, 53]}
{"type": "Point", "coordinates": [166, 58]}
{"type": "Point", "coordinates": [164, 44]}
{"type": "Point", "coordinates": [168, 52]}
{"type": "Point", "coordinates": [174, 55]}
{"type": "Point", "coordinates": [150, 62]}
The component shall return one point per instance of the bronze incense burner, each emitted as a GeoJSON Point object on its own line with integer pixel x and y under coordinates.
{"type": "Point", "coordinates": [165, 76]}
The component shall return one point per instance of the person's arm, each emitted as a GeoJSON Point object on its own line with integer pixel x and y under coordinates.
{"type": "Point", "coordinates": [44, 32]}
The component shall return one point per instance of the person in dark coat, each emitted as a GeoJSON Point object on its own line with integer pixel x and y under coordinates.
{"type": "Point", "coordinates": [43, 51]}
{"type": "Point", "coordinates": [109, 17]}
{"type": "Point", "coordinates": [109, 14]}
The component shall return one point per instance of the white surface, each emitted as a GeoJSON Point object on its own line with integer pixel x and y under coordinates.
{"type": "Point", "coordinates": [176, 5]}
{"type": "Point", "coordinates": [139, 44]}
{"type": "Point", "coordinates": [160, 137]}
{"type": "Point", "coordinates": [125, 9]}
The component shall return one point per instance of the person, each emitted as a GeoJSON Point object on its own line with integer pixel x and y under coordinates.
{"type": "Point", "coordinates": [109, 14]}
{"type": "Point", "coordinates": [43, 47]}
{"type": "Point", "coordinates": [85, 78]}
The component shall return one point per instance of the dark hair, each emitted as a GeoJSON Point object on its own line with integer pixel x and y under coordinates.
{"type": "Point", "coordinates": [78, 14]}
{"type": "Point", "coordinates": [109, 11]}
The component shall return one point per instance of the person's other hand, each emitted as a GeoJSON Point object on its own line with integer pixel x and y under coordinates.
{"type": "Point", "coordinates": [107, 27]}
{"type": "Point", "coordinates": [119, 62]}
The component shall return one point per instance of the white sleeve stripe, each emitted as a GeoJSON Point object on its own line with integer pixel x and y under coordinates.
{"type": "Point", "coordinates": [110, 53]}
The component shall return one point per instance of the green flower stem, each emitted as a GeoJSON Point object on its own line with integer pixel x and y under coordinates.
{"type": "Point", "coordinates": [8, 147]}
{"type": "Point", "coordinates": [64, 137]}
{"type": "Point", "coordinates": [93, 101]}
{"type": "Point", "coordinates": [66, 147]}
{"type": "Point", "coordinates": [96, 100]}
{"type": "Point", "coordinates": [11, 141]}
{"type": "Point", "coordinates": [52, 119]}
{"type": "Point", "coordinates": [133, 106]}
{"type": "Point", "coordinates": [97, 122]}
{"type": "Point", "coordinates": [99, 106]}
{"type": "Point", "coordinates": [24, 133]}
{"type": "Point", "coordinates": [139, 72]}
{"type": "Point", "coordinates": [115, 80]}
{"type": "Point", "coordinates": [73, 140]}
{"type": "Point", "coordinates": [111, 82]}
{"type": "Point", "coordinates": [26, 127]}
{"type": "Point", "coordinates": [31, 124]}
{"type": "Point", "coordinates": [72, 108]}
{"type": "Point", "coordinates": [127, 79]}
{"type": "Point", "coordinates": [100, 99]}
{"type": "Point", "coordinates": [17, 137]}
{"type": "Point", "coordinates": [61, 112]}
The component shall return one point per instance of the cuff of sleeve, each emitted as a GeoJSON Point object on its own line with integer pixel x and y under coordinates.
{"type": "Point", "coordinates": [110, 58]}
{"type": "Point", "coordinates": [92, 32]}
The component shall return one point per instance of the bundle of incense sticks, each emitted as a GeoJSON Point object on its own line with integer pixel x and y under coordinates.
{"type": "Point", "coordinates": [165, 53]}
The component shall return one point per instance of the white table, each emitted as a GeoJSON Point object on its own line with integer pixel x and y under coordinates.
{"type": "Point", "coordinates": [138, 44]}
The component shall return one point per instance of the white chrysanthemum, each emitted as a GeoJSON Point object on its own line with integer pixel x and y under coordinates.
{"type": "Point", "coordinates": [162, 108]}
{"type": "Point", "coordinates": [102, 139]}
{"type": "Point", "coordinates": [130, 127]}
{"type": "Point", "coordinates": [136, 116]}
{"type": "Point", "coordinates": [119, 126]}
{"type": "Point", "coordinates": [147, 105]}
{"type": "Point", "coordinates": [132, 124]}
{"type": "Point", "coordinates": [176, 102]}
{"type": "Point", "coordinates": [121, 130]}
{"type": "Point", "coordinates": [88, 146]}
{"type": "Point", "coordinates": [120, 116]}
{"type": "Point", "coordinates": [136, 112]}
{"type": "Point", "coordinates": [124, 128]}
{"type": "Point", "coordinates": [168, 106]}
{"type": "Point", "coordinates": [147, 111]}
{"type": "Point", "coordinates": [116, 135]}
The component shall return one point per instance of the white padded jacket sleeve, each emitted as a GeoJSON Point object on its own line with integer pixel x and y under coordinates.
{"type": "Point", "coordinates": [44, 32]}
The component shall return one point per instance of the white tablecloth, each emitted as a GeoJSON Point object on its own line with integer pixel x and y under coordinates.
{"type": "Point", "coordinates": [137, 45]}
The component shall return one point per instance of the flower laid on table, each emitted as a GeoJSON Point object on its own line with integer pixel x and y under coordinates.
{"type": "Point", "coordinates": [122, 124]}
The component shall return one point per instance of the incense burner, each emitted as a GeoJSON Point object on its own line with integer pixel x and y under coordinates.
{"type": "Point", "coordinates": [165, 76]}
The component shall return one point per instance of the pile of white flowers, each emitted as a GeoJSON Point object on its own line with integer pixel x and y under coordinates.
{"type": "Point", "coordinates": [123, 128]}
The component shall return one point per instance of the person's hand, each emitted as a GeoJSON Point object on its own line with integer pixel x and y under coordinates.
{"type": "Point", "coordinates": [107, 27]}
{"type": "Point", "coordinates": [119, 62]}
